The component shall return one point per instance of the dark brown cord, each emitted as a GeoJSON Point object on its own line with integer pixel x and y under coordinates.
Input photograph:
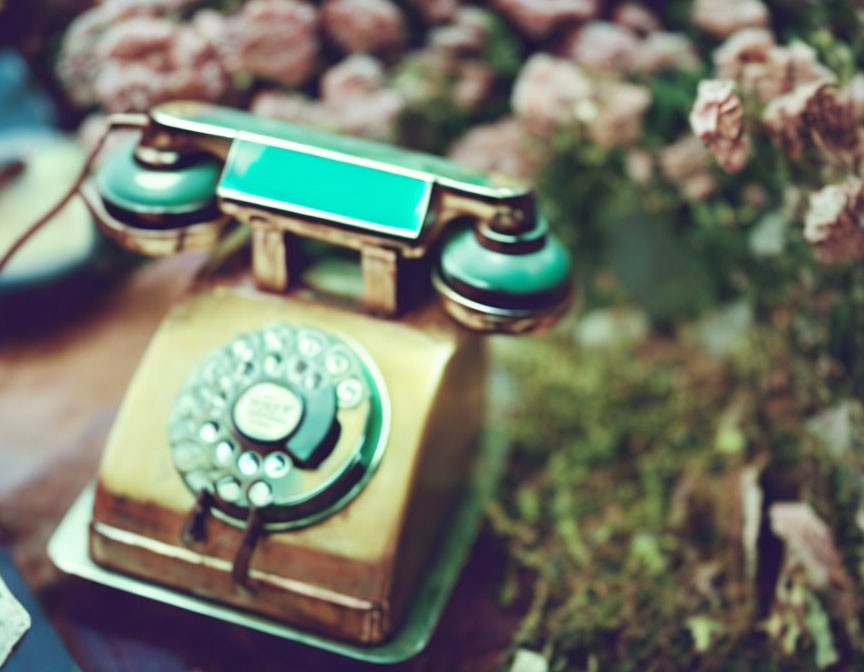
{"type": "Point", "coordinates": [251, 534]}
{"type": "Point", "coordinates": [195, 527]}
{"type": "Point", "coordinates": [114, 121]}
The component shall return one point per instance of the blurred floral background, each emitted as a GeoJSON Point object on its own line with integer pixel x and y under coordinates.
{"type": "Point", "coordinates": [686, 485]}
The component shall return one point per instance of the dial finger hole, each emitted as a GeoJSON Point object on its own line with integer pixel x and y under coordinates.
{"type": "Point", "coordinates": [309, 344]}
{"type": "Point", "coordinates": [209, 432]}
{"type": "Point", "coordinates": [260, 494]}
{"type": "Point", "coordinates": [349, 392]}
{"type": "Point", "coordinates": [276, 465]}
{"type": "Point", "coordinates": [272, 362]}
{"type": "Point", "coordinates": [225, 451]}
{"type": "Point", "coordinates": [187, 456]}
{"type": "Point", "coordinates": [337, 363]}
{"type": "Point", "coordinates": [248, 464]}
{"type": "Point", "coordinates": [228, 488]}
{"type": "Point", "coordinates": [198, 481]}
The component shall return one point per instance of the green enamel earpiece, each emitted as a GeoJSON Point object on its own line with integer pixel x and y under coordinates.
{"type": "Point", "coordinates": [157, 209]}
{"type": "Point", "coordinates": [158, 196]}
{"type": "Point", "coordinates": [495, 279]}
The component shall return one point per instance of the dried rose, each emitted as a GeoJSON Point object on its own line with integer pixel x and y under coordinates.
{"type": "Point", "coordinates": [717, 118]}
{"type": "Point", "coordinates": [504, 147]}
{"type": "Point", "coordinates": [364, 25]}
{"type": "Point", "coordinates": [666, 51]}
{"type": "Point", "coordinates": [437, 11]}
{"type": "Point", "coordinates": [620, 107]}
{"type": "Point", "coordinates": [685, 163]}
{"type": "Point", "coordinates": [603, 47]}
{"type": "Point", "coordinates": [549, 91]}
{"type": "Point", "coordinates": [765, 70]}
{"type": "Point", "coordinates": [636, 17]}
{"type": "Point", "coordinates": [354, 94]}
{"type": "Point", "coordinates": [473, 84]}
{"type": "Point", "coordinates": [539, 19]}
{"type": "Point", "coordinates": [122, 9]}
{"type": "Point", "coordinates": [146, 41]}
{"type": "Point", "coordinates": [639, 166]}
{"type": "Point", "coordinates": [145, 61]}
{"type": "Point", "coordinates": [295, 108]}
{"type": "Point", "coordinates": [724, 17]}
{"type": "Point", "coordinates": [809, 544]}
{"type": "Point", "coordinates": [372, 115]}
{"type": "Point", "coordinates": [358, 74]}
{"type": "Point", "coordinates": [748, 45]}
{"type": "Point", "coordinates": [467, 34]}
{"type": "Point", "coordinates": [272, 39]}
{"type": "Point", "coordinates": [812, 112]}
{"type": "Point", "coordinates": [833, 223]}
{"type": "Point", "coordinates": [79, 61]}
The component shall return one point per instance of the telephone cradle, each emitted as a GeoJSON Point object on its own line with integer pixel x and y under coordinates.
{"type": "Point", "coordinates": [294, 438]}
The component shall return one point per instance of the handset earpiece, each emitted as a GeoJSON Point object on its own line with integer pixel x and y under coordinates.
{"type": "Point", "coordinates": [157, 202]}
{"type": "Point", "coordinates": [508, 274]}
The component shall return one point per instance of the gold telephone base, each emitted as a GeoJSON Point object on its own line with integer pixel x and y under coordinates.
{"type": "Point", "coordinates": [68, 550]}
{"type": "Point", "coordinates": [348, 575]}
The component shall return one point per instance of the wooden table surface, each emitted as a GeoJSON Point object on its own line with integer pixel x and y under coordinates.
{"type": "Point", "coordinates": [59, 391]}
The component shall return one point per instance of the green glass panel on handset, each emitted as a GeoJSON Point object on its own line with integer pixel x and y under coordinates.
{"type": "Point", "coordinates": [306, 183]}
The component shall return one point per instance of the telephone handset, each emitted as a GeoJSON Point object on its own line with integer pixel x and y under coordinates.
{"type": "Point", "coordinates": [197, 165]}
{"type": "Point", "coordinates": [297, 458]}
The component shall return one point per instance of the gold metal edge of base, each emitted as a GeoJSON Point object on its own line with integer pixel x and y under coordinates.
{"type": "Point", "coordinates": [185, 555]}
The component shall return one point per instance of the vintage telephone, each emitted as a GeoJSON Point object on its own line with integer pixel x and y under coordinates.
{"type": "Point", "coordinates": [291, 456]}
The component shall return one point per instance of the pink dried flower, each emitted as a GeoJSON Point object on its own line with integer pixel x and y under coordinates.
{"type": "Point", "coordinates": [666, 51]}
{"type": "Point", "coordinates": [354, 95]}
{"type": "Point", "coordinates": [603, 47]}
{"type": "Point", "coordinates": [639, 166]}
{"type": "Point", "coordinates": [430, 74]}
{"type": "Point", "coordinates": [79, 60]}
{"type": "Point", "coordinates": [812, 112]}
{"type": "Point", "coordinates": [364, 25]}
{"type": "Point", "coordinates": [502, 147]}
{"type": "Point", "coordinates": [295, 108]}
{"type": "Point", "coordinates": [467, 34]}
{"type": "Point", "coordinates": [809, 544]}
{"type": "Point", "coordinates": [748, 45]}
{"type": "Point", "coordinates": [685, 163]}
{"type": "Point", "coordinates": [122, 9]}
{"type": "Point", "coordinates": [724, 17]}
{"type": "Point", "coordinates": [636, 17]}
{"type": "Point", "coordinates": [833, 223]}
{"type": "Point", "coordinates": [764, 69]}
{"type": "Point", "coordinates": [145, 61]}
{"type": "Point", "coordinates": [549, 91]}
{"type": "Point", "coordinates": [437, 11]}
{"type": "Point", "coordinates": [539, 18]}
{"type": "Point", "coordinates": [147, 41]}
{"type": "Point", "coordinates": [125, 87]}
{"type": "Point", "coordinates": [619, 112]}
{"type": "Point", "coordinates": [717, 118]}
{"type": "Point", "coordinates": [373, 115]}
{"type": "Point", "coordinates": [272, 39]}
{"type": "Point", "coordinates": [474, 82]}
{"type": "Point", "coordinates": [358, 74]}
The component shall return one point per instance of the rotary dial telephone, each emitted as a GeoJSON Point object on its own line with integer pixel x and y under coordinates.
{"type": "Point", "coordinates": [291, 457]}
